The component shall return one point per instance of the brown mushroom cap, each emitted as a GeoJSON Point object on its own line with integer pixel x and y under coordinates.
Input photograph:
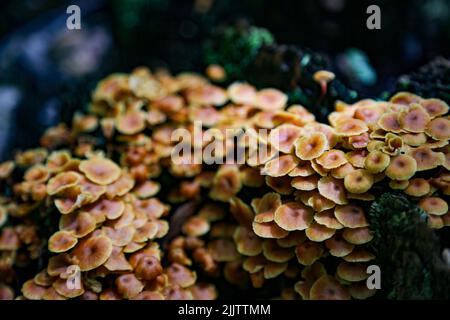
{"type": "Point", "coordinates": [405, 98]}
{"type": "Point", "coordinates": [319, 233]}
{"type": "Point", "coordinates": [241, 93]}
{"type": "Point", "coordinates": [6, 168]}
{"type": "Point", "coordinates": [282, 185]}
{"type": "Point", "coordinates": [390, 122]}
{"type": "Point", "coordinates": [226, 184]}
{"type": "Point", "coordinates": [359, 255]}
{"type": "Point", "coordinates": [270, 99]}
{"type": "Point", "coordinates": [434, 107]}
{"type": "Point", "coordinates": [58, 264]}
{"type": "Point", "coordinates": [360, 291]}
{"type": "Point", "coordinates": [350, 127]}
{"type": "Point", "coordinates": [303, 169]}
{"type": "Point", "coordinates": [312, 146]}
{"type": "Point", "coordinates": [426, 158]}
{"type": "Point", "coordinates": [92, 252]}
{"type": "Point", "coordinates": [401, 167]}
{"type": "Point", "coordinates": [332, 189]}
{"type": "Point", "coordinates": [376, 161]}
{"type": "Point", "coordinates": [9, 239]}
{"type": "Point", "coordinates": [414, 139]}
{"type": "Point", "coordinates": [293, 216]}
{"type": "Point", "coordinates": [284, 136]}
{"type": "Point", "coordinates": [62, 241]}
{"type": "Point", "coordinates": [351, 216]}
{"type": "Point", "coordinates": [280, 166]}
{"type": "Point", "coordinates": [203, 291]}
{"type": "Point", "coordinates": [338, 246]}
{"type": "Point", "coordinates": [64, 290]}
{"type": "Point", "coordinates": [269, 230]}
{"type": "Point", "coordinates": [439, 129]}
{"type": "Point", "coordinates": [32, 291]}
{"type": "Point", "coordinates": [308, 252]}
{"type": "Point", "coordinates": [305, 183]}
{"type": "Point", "coordinates": [358, 181]}
{"type": "Point", "coordinates": [418, 187]}
{"type": "Point", "coordinates": [434, 205]}
{"type": "Point", "coordinates": [100, 170]}
{"type": "Point", "coordinates": [293, 239]}
{"type": "Point", "coordinates": [180, 275]}
{"type": "Point", "coordinates": [196, 226]}
{"type": "Point", "coordinates": [117, 261]}
{"type": "Point", "coordinates": [78, 223]}
{"type": "Point", "coordinates": [328, 219]}
{"type": "Point", "coordinates": [415, 119]}
{"type": "Point", "coordinates": [247, 242]}
{"type": "Point", "coordinates": [352, 272]}
{"type": "Point", "coordinates": [241, 212]}
{"type": "Point", "coordinates": [328, 288]}
{"type": "Point", "coordinates": [275, 253]}
{"type": "Point", "coordinates": [342, 171]}
{"type": "Point", "coordinates": [358, 235]}
{"type": "Point", "coordinates": [223, 250]}
{"type": "Point", "coordinates": [128, 285]}
{"type": "Point", "coordinates": [63, 181]}
{"type": "Point", "coordinates": [332, 159]}
{"type": "Point", "coordinates": [273, 270]}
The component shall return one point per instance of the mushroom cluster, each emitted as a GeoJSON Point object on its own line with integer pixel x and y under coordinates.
{"type": "Point", "coordinates": [282, 197]}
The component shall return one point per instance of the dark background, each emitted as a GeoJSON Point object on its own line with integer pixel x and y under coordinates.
{"type": "Point", "coordinates": [46, 71]}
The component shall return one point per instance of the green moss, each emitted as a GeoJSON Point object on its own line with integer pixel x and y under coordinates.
{"type": "Point", "coordinates": [407, 250]}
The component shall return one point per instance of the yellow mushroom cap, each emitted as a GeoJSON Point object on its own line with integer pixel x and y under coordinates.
{"type": "Point", "coordinates": [312, 146]}
{"type": "Point", "coordinates": [415, 119]}
{"type": "Point", "coordinates": [401, 167]}
{"type": "Point", "coordinates": [328, 219]}
{"type": "Point", "coordinates": [376, 161]}
{"type": "Point", "coordinates": [319, 233]}
{"type": "Point", "coordinates": [352, 272]}
{"type": "Point", "coordinates": [434, 205]}
{"type": "Point", "coordinates": [62, 241]}
{"type": "Point", "coordinates": [332, 159]}
{"type": "Point", "coordinates": [293, 216]}
{"type": "Point", "coordinates": [351, 216]}
{"type": "Point", "coordinates": [357, 157]}
{"type": "Point", "coordinates": [92, 252]}
{"type": "Point", "coordinates": [350, 127]}
{"type": "Point", "coordinates": [357, 235]}
{"type": "Point", "coordinates": [418, 187]}
{"type": "Point", "coordinates": [270, 99]}
{"type": "Point", "coordinates": [100, 170]}
{"type": "Point", "coordinates": [328, 288]}
{"type": "Point", "coordinates": [308, 252]}
{"type": "Point", "coordinates": [439, 129]}
{"type": "Point", "coordinates": [284, 136]}
{"type": "Point", "coordinates": [338, 246]}
{"type": "Point", "coordinates": [242, 93]}
{"type": "Point", "coordinates": [358, 181]}
{"type": "Point", "coordinates": [332, 189]}
{"type": "Point", "coordinates": [368, 113]}
{"type": "Point", "coordinates": [434, 107]}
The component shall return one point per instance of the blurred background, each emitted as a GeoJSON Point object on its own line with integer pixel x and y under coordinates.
{"type": "Point", "coordinates": [47, 71]}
